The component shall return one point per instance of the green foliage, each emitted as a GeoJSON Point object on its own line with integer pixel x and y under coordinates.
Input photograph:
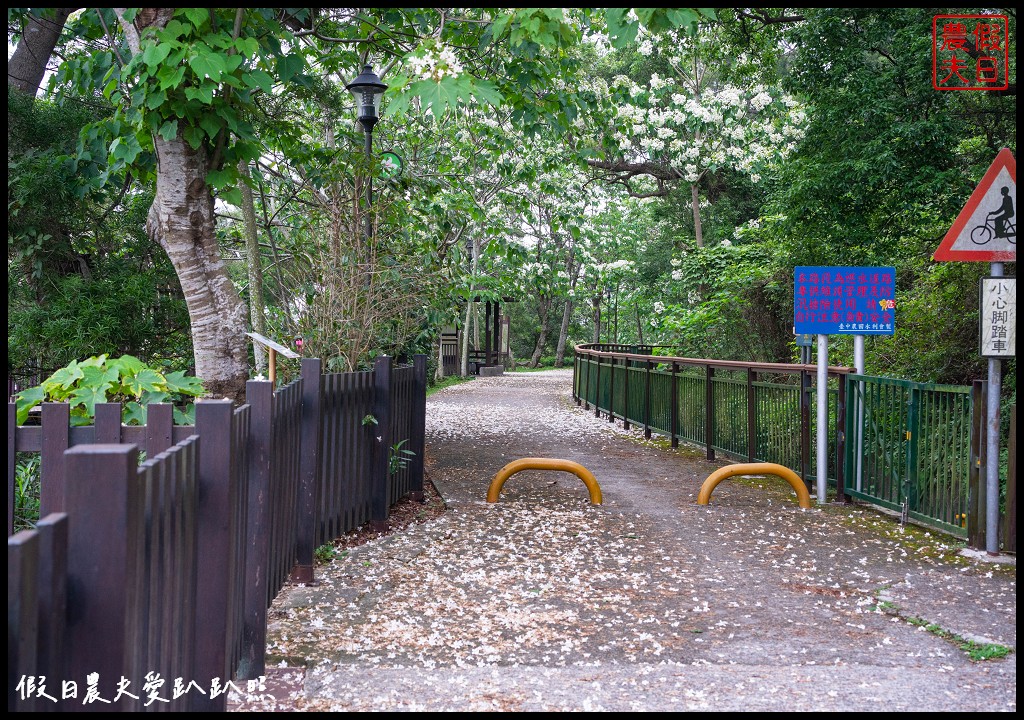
{"type": "Point", "coordinates": [26, 491]}
{"type": "Point", "coordinates": [399, 457]}
{"type": "Point", "coordinates": [126, 380]}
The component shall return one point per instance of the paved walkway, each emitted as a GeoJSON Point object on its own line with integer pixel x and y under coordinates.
{"type": "Point", "coordinates": [648, 602]}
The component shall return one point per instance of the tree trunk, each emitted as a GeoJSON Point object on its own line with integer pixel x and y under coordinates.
{"type": "Point", "coordinates": [639, 326]}
{"type": "Point", "coordinates": [464, 370]}
{"type": "Point", "coordinates": [596, 302]}
{"type": "Point", "coordinates": [538, 349]}
{"type": "Point", "coordinates": [181, 220]}
{"type": "Point", "coordinates": [439, 371]}
{"type": "Point", "coordinates": [695, 202]}
{"type": "Point", "coordinates": [27, 66]}
{"type": "Point", "coordinates": [255, 265]}
{"type": "Point", "coordinates": [563, 334]}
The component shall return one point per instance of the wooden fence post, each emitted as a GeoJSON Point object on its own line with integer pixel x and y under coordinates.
{"type": "Point", "coordinates": [12, 465]}
{"type": "Point", "coordinates": [259, 395]}
{"type": "Point", "coordinates": [159, 428]}
{"type": "Point", "coordinates": [107, 423]}
{"type": "Point", "coordinates": [53, 594]}
{"type": "Point", "coordinates": [102, 504]}
{"type": "Point", "coordinates": [380, 472]}
{"type": "Point", "coordinates": [597, 390]}
{"type": "Point", "coordinates": [309, 470]}
{"type": "Point", "coordinates": [417, 441]}
{"type": "Point", "coordinates": [22, 598]}
{"type": "Point", "coordinates": [218, 553]}
{"type": "Point", "coordinates": [56, 422]}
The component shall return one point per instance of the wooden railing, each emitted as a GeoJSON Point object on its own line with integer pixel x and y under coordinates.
{"type": "Point", "coordinates": [163, 573]}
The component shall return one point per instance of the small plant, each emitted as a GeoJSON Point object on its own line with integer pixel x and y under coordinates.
{"type": "Point", "coordinates": [26, 493]}
{"type": "Point", "coordinates": [399, 457]}
{"type": "Point", "coordinates": [324, 554]}
{"type": "Point", "coordinates": [127, 380]}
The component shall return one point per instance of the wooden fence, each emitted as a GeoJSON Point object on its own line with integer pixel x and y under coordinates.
{"type": "Point", "coordinates": [161, 574]}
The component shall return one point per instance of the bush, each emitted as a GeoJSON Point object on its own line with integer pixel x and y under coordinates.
{"type": "Point", "coordinates": [127, 380]}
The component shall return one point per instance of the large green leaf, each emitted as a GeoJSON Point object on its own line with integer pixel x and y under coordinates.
{"type": "Point", "coordinates": [145, 380]}
{"type": "Point", "coordinates": [63, 379]}
{"type": "Point", "coordinates": [28, 399]}
{"type": "Point", "coordinates": [178, 382]}
{"type": "Point", "coordinates": [90, 395]}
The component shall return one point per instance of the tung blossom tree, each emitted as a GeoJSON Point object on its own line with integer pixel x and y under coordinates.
{"type": "Point", "coordinates": [692, 121]}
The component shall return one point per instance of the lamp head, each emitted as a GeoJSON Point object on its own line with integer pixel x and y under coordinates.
{"type": "Point", "coordinates": [367, 90]}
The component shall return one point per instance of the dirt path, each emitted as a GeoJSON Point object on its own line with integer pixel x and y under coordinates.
{"type": "Point", "coordinates": [648, 602]}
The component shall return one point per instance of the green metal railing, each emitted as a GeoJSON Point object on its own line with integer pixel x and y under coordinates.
{"type": "Point", "coordinates": [909, 448]}
{"type": "Point", "coordinates": [758, 412]}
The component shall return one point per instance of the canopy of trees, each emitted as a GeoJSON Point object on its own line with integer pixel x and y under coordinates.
{"type": "Point", "coordinates": [179, 176]}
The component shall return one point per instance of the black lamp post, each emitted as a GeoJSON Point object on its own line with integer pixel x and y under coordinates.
{"type": "Point", "coordinates": [367, 90]}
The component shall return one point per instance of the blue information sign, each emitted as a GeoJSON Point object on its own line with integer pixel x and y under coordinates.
{"type": "Point", "coordinates": [844, 300]}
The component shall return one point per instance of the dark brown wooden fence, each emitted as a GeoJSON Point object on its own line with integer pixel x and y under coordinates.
{"type": "Point", "coordinates": [162, 573]}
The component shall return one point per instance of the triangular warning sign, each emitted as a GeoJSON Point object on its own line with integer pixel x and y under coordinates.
{"type": "Point", "coordinates": [986, 229]}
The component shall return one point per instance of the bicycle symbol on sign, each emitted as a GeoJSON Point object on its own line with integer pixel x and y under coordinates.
{"type": "Point", "coordinates": [997, 223]}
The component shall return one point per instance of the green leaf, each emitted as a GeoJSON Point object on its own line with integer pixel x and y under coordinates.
{"type": "Point", "coordinates": [197, 16]}
{"type": "Point", "coordinates": [133, 414]}
{"type": "Point", "coordinates": [231, 195]}
{"type": "Point", "coordinates": [208, 64]}
{"type": "Point", "coordinates": [128, 364]}
{"type": "Point", "coordinates": [221, 178]}
{"type": "Point", "coordinates": [150, 396]}
{"type": "Point", "coordinates": [193, 136]}
{"type": "Point", "coordinates": [247, 46]}
{"type": "Point", "coordinates": [211, 124]}
{"type": "Point", "coordinates": [155, 100]}
{"type": "Point", "coordinates": [90, 395]}
{"type": "Point", "coordinates": [178, 382]}
{"type": "Point", "coordinates": [621, 31]}
{"type": "Point", "coordinates": [186, 416]}
{"type": "Point", "coordinates": [258, 79]}
{"type": "Point", "coordinates": [169, 130]}
{"type": "Point", "coordinates": [156, 54]}
{"type": "Point", "coordinates": [63, 378]}
{"type": "Point", "coordinates": [202, 93]}
{"type": "Point", "coordinates": [290, 65]}
{"type": "Point", "coordinates": [145, 380]}
{"type": "Point", "coordinates": [28, 399]}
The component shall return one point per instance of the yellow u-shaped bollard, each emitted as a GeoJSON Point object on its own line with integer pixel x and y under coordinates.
{"type": "Point", "coordinates": [804, 497]}
{"type": "Point", "coordinates": [544, 464]}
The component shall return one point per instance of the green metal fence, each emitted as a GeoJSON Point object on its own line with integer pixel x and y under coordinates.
{"type": "Point", "coordinates": [909, 448]}
{"type": "Point", "coordinates": [915, 448]}
{"type": "Point", "coordinates": [758, 412]}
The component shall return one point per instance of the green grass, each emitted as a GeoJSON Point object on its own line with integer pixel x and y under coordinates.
{"type": "Point", "coordinates": [446, 382]}
{"type": "Point", "coordinates": [975, 651]}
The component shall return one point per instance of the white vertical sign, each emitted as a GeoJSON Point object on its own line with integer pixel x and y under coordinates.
{"type": "Point", "coordinates": [998, 317]}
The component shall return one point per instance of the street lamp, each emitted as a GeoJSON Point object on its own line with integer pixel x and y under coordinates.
{"type": "Point", "coordinates": [367, 90]}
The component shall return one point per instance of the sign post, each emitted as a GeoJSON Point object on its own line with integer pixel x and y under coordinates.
{"type": "Point", "coordinates": [272, 349]}
{"type": "Point", "coordinates": [986, 231]}
{"type": "Point", "coordinates": [854, 301]}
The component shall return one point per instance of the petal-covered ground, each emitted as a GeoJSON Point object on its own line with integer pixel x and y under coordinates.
{"type": "Point", "coordinates": [542, 601]}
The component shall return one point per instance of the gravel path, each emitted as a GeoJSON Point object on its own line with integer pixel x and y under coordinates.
{"type": "Point", "coordinates": [648, 602]}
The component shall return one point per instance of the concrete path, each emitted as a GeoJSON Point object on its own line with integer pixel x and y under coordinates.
{"type": "Point", "coordinates": [648, 602]}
